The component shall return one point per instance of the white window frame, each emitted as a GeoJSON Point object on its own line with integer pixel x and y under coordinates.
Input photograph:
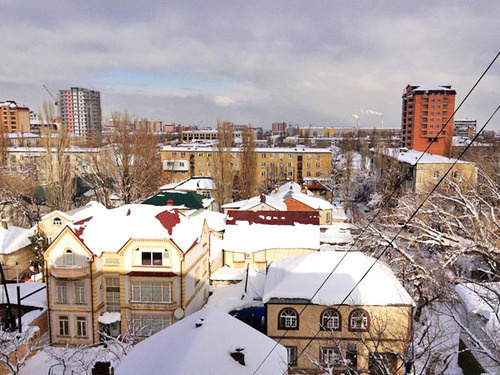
{"type": "Point", "coordinates": [81, 326]}
{"type": "Point", "coordinates": [145, 292]}
{"type": "Point", "coordinates": [62, 292]}
{"type": "Point", "coordinates": [79, 292]}
{"type": "Point", "coordinates": [63, 325]}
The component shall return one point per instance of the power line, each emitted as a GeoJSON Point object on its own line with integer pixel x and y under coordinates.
{"type": "Point", "coordinates": [403, 227]}
{"type": "Point", "coordinates": [396, 188]}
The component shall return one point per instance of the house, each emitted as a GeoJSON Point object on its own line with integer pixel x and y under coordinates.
{"type": "Point", "coordinates": [15, 250]}
{"type": "Point", "coordinates": [258, 203]}
{"type": "Point", "coordinates": [425, 169]}
{"type": "Point", "coordinates": [255, 238]}
{"type": "Point", "coordinates": [369, 326]}
{"type": "Point", "coordinates": [209, 342]}
{"type": "Point", "coordinates": [298, 198]}
{"type": "Point", "coordinates": [150, 264]}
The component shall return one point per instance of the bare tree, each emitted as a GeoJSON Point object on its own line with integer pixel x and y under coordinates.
{"type": "Point", "coordinates": [223, 174]}
{"type": "Point", "coordinates": [248, 162]}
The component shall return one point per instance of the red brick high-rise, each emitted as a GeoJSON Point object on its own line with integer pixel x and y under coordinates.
{"type": "Point", "coordinates": [426, 108]}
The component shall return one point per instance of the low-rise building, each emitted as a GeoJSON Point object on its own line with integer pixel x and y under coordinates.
{"type": "Point", "coordinates": [150, 264]}
{"type": "Point", "coordinates": [14, 118]}
{"type": "Point", "coordinates": [359, 332]}
{"type": "Point", "coordinates": [16, 251]}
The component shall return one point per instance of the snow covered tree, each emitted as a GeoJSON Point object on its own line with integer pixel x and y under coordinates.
{"type": "Point", "coordinates": [16, 348]}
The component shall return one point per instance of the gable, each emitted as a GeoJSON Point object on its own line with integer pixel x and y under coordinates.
{"type": "Point", "coordinates": [64, 241]}
{"type": "Point", "coordinates": [293, 204]}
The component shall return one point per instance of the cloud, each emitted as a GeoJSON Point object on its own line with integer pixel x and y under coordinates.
{"type": "Point", "coordinates": [223, 101]}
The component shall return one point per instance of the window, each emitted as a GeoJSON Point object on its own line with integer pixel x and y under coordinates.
{"type": "Point", "coordinates": [197, 275]}
{"type": "Point", "coordinates": [238, 257]}
{"type": "Point", "coordinates": [358, 320]}
{"type": "Point", "coordinates": [57, 221]}
{"type": "Point", "coordinates": [290, 165]}
{"type": "Point", "coordinates": [81, 326]}
{"type": "Point", "coordinates": [263, 173]}
{"type": "Point", "coordinates": [183, 154]}
{"type": "Point", "coordinates": [200, 163]}
{"type": "Point", "coordinates": [454, 174]}
{"type": "Point", "coordinates": [174, 153]}
{"type": "Point", "coordinates": [282, 156]}
{"type": "Point", "coordinates": [318, 156]}
{"type": "Point", "coordinates": [68, 257]}
{"type": "Point", "coordinates": [288, 319]}
{"type": "Point", "coordinates": [291, 353]}
{"type": "Point", "coordinates": [63, 322]}
{"type": "Point", "coordinates": [263, 164]}
{"type": "Point", "coordinates": [112, 294]}
{"type": "Point", "coordinates": [259, 256]}
{"type": "Point", "coordinates": [436, 174]}
{"type": "Point", "coordinates": [152, 291]}
{"type": "Point", "coordinates": [272, 156]}
{"type": "Point", "coordinates": [114, 261]}
{"type": "Point", "coordinates": [330, 356]}
{"type": "Point", "coordinates": [209, 155]}
{"type": "Point", "coordinates": [200, 154]}
{"type": "Point", "coordinates": [62, 292]}
{"type": "Point", "coordinates": [148, 324]}
{"type": "Point", "coordinates": [79, 292]}
{"type": "Point", "coordinates": [330, 320]}
{"type": "Point", "coordinates": [290, 156]}
{"type": "Point", "coordinates": [318, 165]}
{"type": "Point", "coordinates": [236, 163]}
{"type": "Point", "coordinates": [263, 155]}
{"type": "Point", "coordinates": [154, 258]}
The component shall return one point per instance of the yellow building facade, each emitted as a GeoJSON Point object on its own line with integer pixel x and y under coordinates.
{"type": "Point", "coordinates": [274, 165]}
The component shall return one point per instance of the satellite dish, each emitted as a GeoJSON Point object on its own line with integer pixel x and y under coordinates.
{"type": "Point", "coordinates": [179, 313]}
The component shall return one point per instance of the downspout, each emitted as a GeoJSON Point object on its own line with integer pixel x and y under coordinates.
{"type": "Point", "coordinates": [47, 279]}
{"type": "Point", "coordinates": [182, 282]}
{"type": "Point", "coordinates": [92, 300]}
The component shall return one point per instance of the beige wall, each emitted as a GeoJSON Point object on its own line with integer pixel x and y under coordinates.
{"type": "Point", "coordinates": [266, 257]}
{"type": "Point", "coordinates": [389, 329]}
{"type": "Point", "coordinates": [427, 175]}
{"type": "Point", "coordinates": [19, 260]}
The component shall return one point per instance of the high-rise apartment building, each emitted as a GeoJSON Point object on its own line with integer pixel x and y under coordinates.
{"type": "Point", "coordinates": [426, 110]}
{"type": "Point", "coordinates": [81, 110]}
{"type": "Point", "coordinates": [14, 118]}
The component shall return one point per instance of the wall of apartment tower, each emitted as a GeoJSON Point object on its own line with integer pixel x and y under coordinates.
{"type": "Point", "coordinates": [423, 116]}
{"type": "Point", "coordinates": [81, 111]}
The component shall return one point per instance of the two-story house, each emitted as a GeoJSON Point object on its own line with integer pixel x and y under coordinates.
{"type": "Point", "coordinates": [150, 264]}
{"type": "Point", "coordinates": [307, 310]}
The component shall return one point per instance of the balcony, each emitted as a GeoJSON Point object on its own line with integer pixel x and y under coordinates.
{"type": "Point", "coordinates": [69, 272]}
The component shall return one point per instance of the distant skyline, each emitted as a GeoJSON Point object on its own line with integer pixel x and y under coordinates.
{"type": "Point", "coordinates": [258, 62]}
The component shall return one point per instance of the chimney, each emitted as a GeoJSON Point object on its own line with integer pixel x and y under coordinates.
{"type": "Point", "coordinates": [276, 189]}
{"type": "Point", "coordinates": [262, 198]}
{"type": "Point", "coordinates": [129, 212]}
{"type": "Point", "coordinates": [199, 322]}
{"type": "Point", "coordinates": [304, 189]}
{"type": "Point", "coordinates": [238, 356]}
{"type": "Point", "coordinates": [170, 202]}
{"type": "Point", "coordinates": [4, 224]}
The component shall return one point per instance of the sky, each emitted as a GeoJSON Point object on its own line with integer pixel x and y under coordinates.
{"type": "Point", "coordinates": [304, 62]}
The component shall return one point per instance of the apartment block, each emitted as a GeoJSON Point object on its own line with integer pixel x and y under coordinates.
{"type": "Point", "coordinates": [465, 127]}
{"type": "Point", "coordinates": [426, 110]}
{"type": "Point", "coordinates": [274, 165]}
{"type": "Point", "coordinates": [14, 118]}
{"type": "Point", "coordinates": [81, 111]}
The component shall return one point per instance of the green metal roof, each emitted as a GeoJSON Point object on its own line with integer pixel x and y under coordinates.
{"type": "Point", "coordinates": [189, 199]}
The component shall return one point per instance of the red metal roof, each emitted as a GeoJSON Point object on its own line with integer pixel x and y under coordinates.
{"type": "Point", "coordinates": [169, 219]}
{"type": "Point", "coordinates": [273, 217]}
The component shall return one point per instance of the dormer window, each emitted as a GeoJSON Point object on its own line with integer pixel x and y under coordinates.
{"type": "Point", "coordinates": [69, 258]}
{"type": "Point", "coordinates": [57, 221]}
{"type": "Point", "coordinates": [153, 258]}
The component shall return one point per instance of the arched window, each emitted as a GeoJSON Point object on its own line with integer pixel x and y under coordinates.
{"type": "Point", "coordinates": [358, 320]}
{"type": "Point", "coordinates": [57, 221]}
{"type": "Point", "coordinates": [330, 320]}
{"type": "Point", "coordinates": [288, 319]}
{"type": "Point", "coordinates": [68, 257]}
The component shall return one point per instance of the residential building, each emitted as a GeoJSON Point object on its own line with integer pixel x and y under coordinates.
{"type": "Point", "coordinates": [274, 165]}
{"type": "Point", "coordinates": [426, 111]}
{"type": "Point", "coordinates": [209, 342]}
{"type": "Point", "coordinates": [279, 127]}
{"type": "Point", "coordinates": [424, 170]}
{"type": "Point", "coordinates": [258, 203]}
{"type": "Point", "coordinates": [149, 264]}
{"type": "Point", "coordinates": [465, 127]}
{"type": "Point", "coordinates": [205, 135]}
{"type": "Point", "coordinates": [14, 118]}
{"type": "Point", "coordinates": [200, 185]}
{"type": "Point", "coordinates": [81, 111]}
{"type": "Point", "coordinates": [16, 251]}
{"type": "Point", "coordinates": [255, 238]}
{"type": "Point", "coordinates": [371, 326]}
{"type": "Point", "coordinates": [180, 200]}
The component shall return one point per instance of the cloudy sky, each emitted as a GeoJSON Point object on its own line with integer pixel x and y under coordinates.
{"type": "Point", "coordinates": [304, 62]}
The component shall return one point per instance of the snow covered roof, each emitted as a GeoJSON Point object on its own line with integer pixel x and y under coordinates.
{"type": "Point", "coordinates": [12, 104]}
{"type": "Point", "coordinates": [216, 221]}
{"type": "Point", "coordinates": [233, 297]}
{"type": "Point", "coordinates": [110, 230]}
{"type": "Point", "coordinates": [14, 238]}
{"type": "Point", "coordinates": [247, 238]}
{"type": "Point", "coordinates": [481, 299]}
{"type": "Point", "coordinates": [202, 343]}
{"type": "Point", "coordinates": [314, 202]}
{"type": "Point", "coordinates": [191, 184]}
{"type": "Point", "coordinates": [411, 157]}
{"type": "Point", "coordinates": [248, 204]}
{"type": "Point", "coordinates": [289, 187]}
{"type": "Point", "coordinates": [227, 273]}
{"type": "Point", "coordinates": [431, 87]}
{"type": "Point", "coordinates": [203, 148]}
{"type": "Point", "coordinates": [337, 234]}
{"type": "Point", "coordinates": [36, 300]}
{"type": "Point", "coordinates": [299, 277]}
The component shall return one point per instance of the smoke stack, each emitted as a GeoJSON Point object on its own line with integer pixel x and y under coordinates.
{"type": "Point", "coordinates": [381, 121]}
{"type": "Point", "coordinates": [170, 202]}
